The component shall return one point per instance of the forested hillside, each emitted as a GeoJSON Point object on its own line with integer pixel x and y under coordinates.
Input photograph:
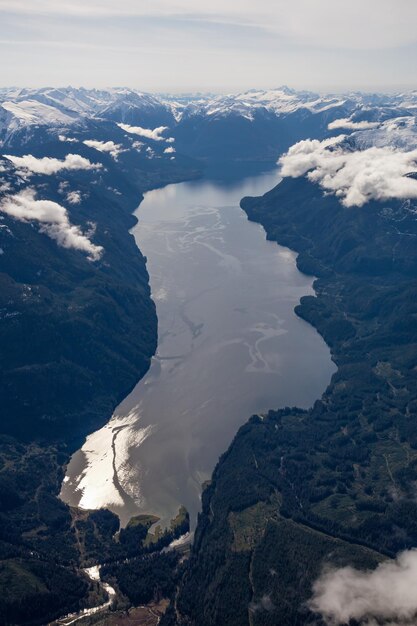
{"type": "Point", "coordinates": [78, 329]}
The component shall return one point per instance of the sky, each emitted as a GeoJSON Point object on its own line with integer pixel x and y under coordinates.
{"type": "Point", "coordinates": [219, 46]}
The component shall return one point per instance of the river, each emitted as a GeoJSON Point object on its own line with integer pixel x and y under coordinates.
{"type": "Point", "coordinates": [229, 346]}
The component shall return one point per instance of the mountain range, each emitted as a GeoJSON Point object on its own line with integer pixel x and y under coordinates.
{"type": "Point", "coordinates": [252, 126]}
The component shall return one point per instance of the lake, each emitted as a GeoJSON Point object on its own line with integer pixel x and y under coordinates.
{"type": "Point", "coordinates": [229, 346]}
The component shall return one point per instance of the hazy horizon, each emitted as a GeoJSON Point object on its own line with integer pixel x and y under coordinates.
{"type": "Point", "coordinates": [178, 46]}
{"type": "Point", "coordinates": [211, 93]}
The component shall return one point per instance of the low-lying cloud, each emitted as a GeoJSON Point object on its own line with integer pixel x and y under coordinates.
{"type": "Point", "coordinates": [49, 165]}
{"type": "Point", "coordinates": [354, 176]}
{"type": "Point", "coordinates": [67, 139]}
{"type": "Point", "coordinates": [114, 149]}
{"type": "Point", "coordinates": [73, 197]}
{"type": "Point", "coordinates": [53, 221]}
{"type": "Point", "coordinates": [154, 134]}
{"type": "Point", "coordinates": [264, 604]}
{"type": "Point", "coordinates": [386, 596]}
{"type": "Point", "coordinates": [349, 124]}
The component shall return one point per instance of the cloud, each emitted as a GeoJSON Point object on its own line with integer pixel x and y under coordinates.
{"type": "Point", "coordinates": [154, 134]}
{"type": "Point", "coordinates": [351, 125]}
{"type": "Point", "coordinates": [385, 596]}
{"type": "Point", "coordinates": [6, 186]}
{"type": "Point", "coordinates": [306, 154]}
{"type": "Point", "coordinates": [105, 146]}
{"type": "Point", "coordinates": [264, 604]}
{"type": "Point", "coordinates": [53, 221]}
{"type": "Point", "coordinates": [68, 139]}
{"type": "Point", "coordinates": [73, 197]}
{"type": "Point", "coordinates": [191, 46]}
{"type": "Point", "coordinates": [169, 150]}
{"type": "Point", "coordinates": [49, 165]}
{"type": "Point", "coordinates": [354, 176]}
{"type": "Point", "coordinates": [353, 25]}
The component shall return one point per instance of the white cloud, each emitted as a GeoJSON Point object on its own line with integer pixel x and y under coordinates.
{"type": "Point", "coordinates": [385, 596]}
{"type": "Point", "coordinates": [63, 185]}
{"type": "Point", "coordinates": [355, 176]}
{"type": "Point", "coordinates": [53, 220]}
{"type": "Point", "coordinates": [169, 150]}
{"type": "Point", "coordinates": [105, 146]}
{"type": "Point", "coordinates": [356, 24]}
{"type": "Point", "coordinates": [68, 139]}
{"type": "Point", "coordinates": [170, 140]}
{"type": "Point", "coordinates": [351, 125]}
{"type": "Point", "coordinates": [49, 165]}
{"type": "Point", "coordinates": [306, 155]}
{"type": "Point", "coordinates": [154, 134]}
{"type": "Point", "coordinates": [74, 197]}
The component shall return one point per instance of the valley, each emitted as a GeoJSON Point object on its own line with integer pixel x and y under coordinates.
{"type": "Point", "coordinates": [312, 477]}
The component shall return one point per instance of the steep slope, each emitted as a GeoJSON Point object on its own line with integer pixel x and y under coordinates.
{"type": "Point", "coordinates": [78, 329]}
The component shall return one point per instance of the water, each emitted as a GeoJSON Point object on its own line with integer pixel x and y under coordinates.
{"type": "Point", "coordinates": [230, 345]}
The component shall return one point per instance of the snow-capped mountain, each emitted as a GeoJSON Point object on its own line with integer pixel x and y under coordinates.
{"type": "Point", "coordinates": [256, 125]}
{"type": "Point", "coordinates": [136, 108]}
{"type": "Point", "coordinates": [399, 132]}
{"type": "Point", "coordinates": [279, 101]}
{"type": "Point", "coordinates": [21, 109]}
{"type": "Point", "coordinates": [81, 100]}
{"type": "Point", "coordinates": [19, 117]}
{"type": "Point", "coordinates": [285, 101]}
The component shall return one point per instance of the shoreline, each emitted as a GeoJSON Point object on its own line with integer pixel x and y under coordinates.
{"type": "Point", "coordinates": [266, 407]}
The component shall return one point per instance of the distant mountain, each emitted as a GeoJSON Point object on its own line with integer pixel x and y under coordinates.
{"type": "Point", "coordinates": [252, 126]}
{"type": "Point", "coordinates": [258, 125]}
{"type": "Point", "coordinates": [23, 111]}
{"type": "Point", "coordinates": [137, 109]}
